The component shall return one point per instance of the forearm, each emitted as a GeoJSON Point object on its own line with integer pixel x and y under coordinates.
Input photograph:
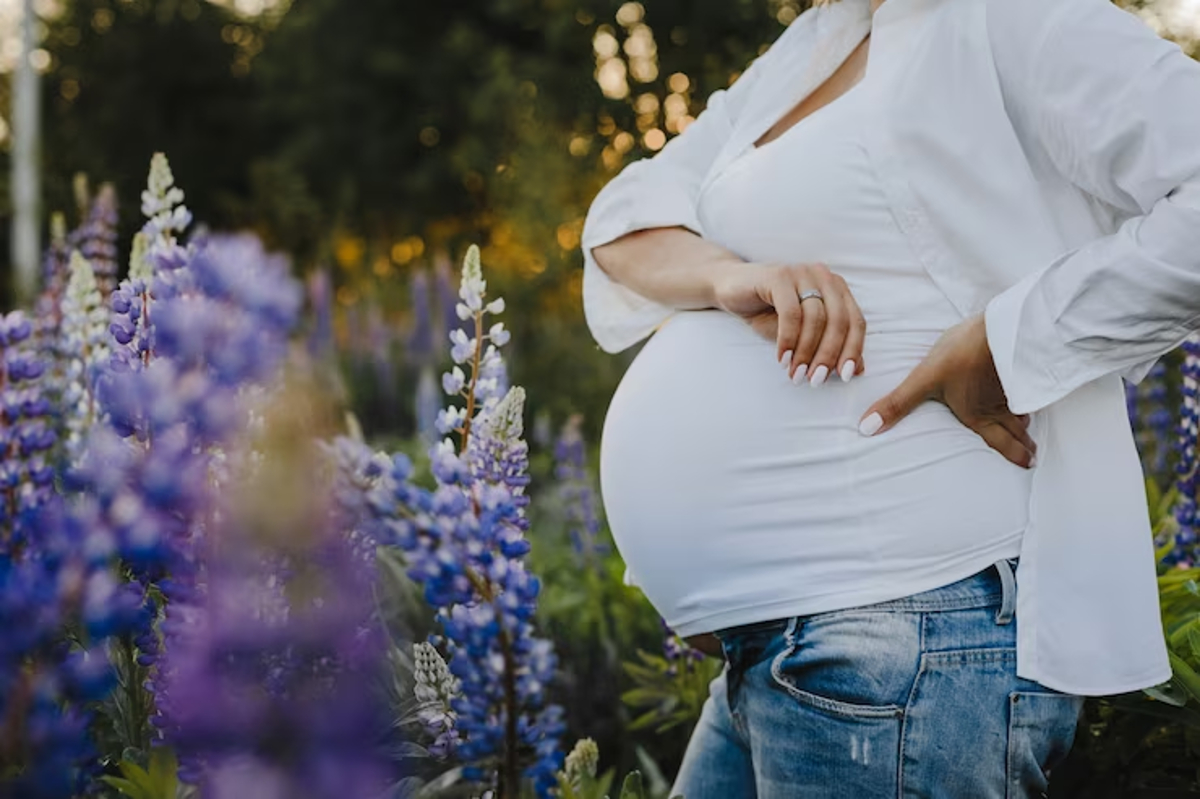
{"type": "Point", "coordinates": [669, 265]}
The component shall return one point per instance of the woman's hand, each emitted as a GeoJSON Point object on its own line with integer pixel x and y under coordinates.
{"type": "Point", "coordinates": [813, 338]}
{"type": "Point", "coordinates": [959, 372]}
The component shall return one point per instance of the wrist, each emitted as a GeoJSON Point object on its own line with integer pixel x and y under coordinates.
{"type": "Point", "coordinates": [720, 276]}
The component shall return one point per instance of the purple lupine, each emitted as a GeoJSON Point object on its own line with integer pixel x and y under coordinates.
{"type": "Point", "coordinates": [576, 493]}
{"type": "Point", "coordinates": [96, 238]}
{"type": "Point", "coordinates": [48, 306]}
{"type": "Point", "coordinates": [419, 342]}
{"type": "Point", "coordinates": [26, 432]}
{"type": "Point", "coordinates": [677, 651]}
{"type": "Point", "coordinates": [1187, 477]}
{"type": "Point", "coordinates": [270, 678]}
{"type": "Point", "coordinates": [320, 298]}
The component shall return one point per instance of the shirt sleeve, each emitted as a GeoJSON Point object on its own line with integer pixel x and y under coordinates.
{"type": "Point", "coordinates": [660, 191]}
{"type": "Point", "coordinates": [1117, 109]}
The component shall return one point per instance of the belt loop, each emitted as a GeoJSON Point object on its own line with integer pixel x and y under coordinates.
{"type": "Point", "coordinates": [1009, 583]}
{"type": "Point", "coordinates": [789, 634]}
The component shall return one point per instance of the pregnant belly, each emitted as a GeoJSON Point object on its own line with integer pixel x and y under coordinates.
{"type": "Point", "coordinates": [722, 480]}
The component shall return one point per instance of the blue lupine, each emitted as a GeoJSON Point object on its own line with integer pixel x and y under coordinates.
{"type": "Point", "coordinates": [464, 542]}
{"type": "Point", "coordinates": [58, 581]}
{"type": "Point", "coordinates": [1187, 478]}
{"type": "Point", "coordinates": [577, 495]}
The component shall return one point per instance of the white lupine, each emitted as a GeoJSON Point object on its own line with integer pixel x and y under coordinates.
{"type": "Point", "coordinates": [583, 762]}
{"type": "Point", "coordinates": [434, 687]}
{"type": "Point", "coordinates": [498, 334]}
{"type": "Point", "coordinates": [473, 285]}
{"type": "Point", "coordinates": [162, 203]}
{"type": "Point", "coordinates": [139, 261]}
{"type": "Point", "coordinates": [85, 349]}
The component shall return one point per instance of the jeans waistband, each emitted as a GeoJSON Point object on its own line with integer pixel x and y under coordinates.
{"type": "Point", "coordinates": [994, 586]}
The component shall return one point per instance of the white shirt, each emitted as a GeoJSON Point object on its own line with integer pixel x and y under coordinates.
{"type": "Point", "coordinates": [735, 496]}
{"type": "Point", "coordinates": [1041, 157]}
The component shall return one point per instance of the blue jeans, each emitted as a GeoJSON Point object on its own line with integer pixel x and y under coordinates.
{"type": "Point", "coordinates": [916, 697]}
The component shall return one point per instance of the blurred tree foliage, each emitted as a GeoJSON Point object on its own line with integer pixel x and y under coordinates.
{"type": "Point", "coordinates": [339, 129]}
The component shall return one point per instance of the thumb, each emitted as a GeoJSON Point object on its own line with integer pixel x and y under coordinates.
{"type": "Point", "coordinates": [894, 406]}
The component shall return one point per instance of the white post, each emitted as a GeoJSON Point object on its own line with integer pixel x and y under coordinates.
{"type": "Point", "coordinates": [26, 188]}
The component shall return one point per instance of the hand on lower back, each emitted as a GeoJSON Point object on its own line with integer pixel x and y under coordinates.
{"type": "Point", "coordinates": [815, 338]}
{"type": "Point", "coordinates": [959, 372]}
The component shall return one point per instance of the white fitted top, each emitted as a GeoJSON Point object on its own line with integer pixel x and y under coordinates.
{"type": "Point", "coordinates": [735, 496]}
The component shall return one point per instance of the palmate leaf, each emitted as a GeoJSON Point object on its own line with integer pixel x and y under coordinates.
{"type": "Point", "coordinates": [160, 781]}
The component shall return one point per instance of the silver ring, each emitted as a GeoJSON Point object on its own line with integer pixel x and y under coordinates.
{"type": "Point", "coordinates": [811, 293]}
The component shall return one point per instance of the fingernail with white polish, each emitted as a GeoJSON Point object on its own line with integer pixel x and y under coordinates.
{"type": "Point", "coordinates": [870, 426]}
{"type": "Point", "coordinates": [819, 376]}
{"type": "Point", "coordinates": [801, 370]}
{"type": "Point", "coordinates": [785, 360]}
{"type": "Point", "coordinates": [847, 371]}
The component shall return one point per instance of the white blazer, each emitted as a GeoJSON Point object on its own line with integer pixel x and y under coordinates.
{"type": "Point", "coordinates": [1043, 159]}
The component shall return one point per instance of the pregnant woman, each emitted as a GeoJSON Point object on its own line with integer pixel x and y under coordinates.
{"type": "Point", "coordinates": [854, 565]}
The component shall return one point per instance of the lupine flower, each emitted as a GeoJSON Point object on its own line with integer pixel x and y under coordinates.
{"type": "Point", "coordinates": [96, 238]}
{"type": "Point", "coordinates": [677, 651]}
{"type": "Point", "coordinates": [60, 581]}
{"type": "Point", "coordinates": [320, 298]}
{"type": "Point", "coordinates": [420, 340]}
{"type": "Point", "coordinates": [1159, 419]}
{"type": "Point", "coordinates": [85, 350]}
{"type": "Point", "coordinates": [435, 689]}
{"type": "Point", "coordinates": [261, 686]}
{"type": "Point", "coordinates": [26, 433]}
{"type": "Point", "coordinates": [151, 475]}
{"type": "Point", "coordinates": [55, 272]}
{"type": "Point", "coordinates": [582, 762]}
{"type": "Point", "coordinates": [1187, 476]}
{"type": "Point", "coordinates": [464, 542]}
{"type": "Point", "coordinates": [167, 217]}
{"type": "Point", "coordinates": [576, 493]}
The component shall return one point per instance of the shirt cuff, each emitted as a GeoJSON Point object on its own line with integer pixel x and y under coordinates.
{"type": "Point", "coordinates": [1024, 343]}
{"type": "Point", "coordinates": [616, 315]}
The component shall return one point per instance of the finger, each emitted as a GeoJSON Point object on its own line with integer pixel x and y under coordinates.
{"type": "Point", "coordinates": [787, 309]}
{"type": "Point", "coordinates": [856, 335]}
{"type": "Point", "coordinates": [1017, 430]}
{"type": "Point", "coordinates": [1025, 419]}
{"type": "Point", "coordinates": [918, 386]}
{"type": "Point", "coordinates": [1000, 439]}
{"type": "Point", "coordinates": [812, 326]}
{"type": "Point", "coordinates": [833, 337]}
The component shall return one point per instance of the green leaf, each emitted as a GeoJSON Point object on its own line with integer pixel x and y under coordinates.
{"type": "Point", "coordinates": [1186, 676]}
{"type": "Point", "coordinates": [126, 787]}
{"type": "Point", "coordinates": [632, 788]}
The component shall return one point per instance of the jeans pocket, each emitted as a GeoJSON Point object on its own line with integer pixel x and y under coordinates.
{"type": "Point", "coordinates": [858, 665]}
{"type": "Point", "coordinates": [1041, 729]}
